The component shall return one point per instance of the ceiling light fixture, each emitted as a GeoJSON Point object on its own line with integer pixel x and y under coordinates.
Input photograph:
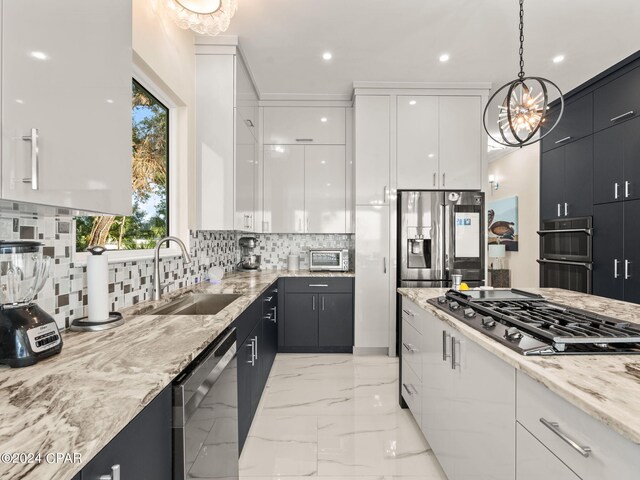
{"type": "Point", "coordinates": [444, 57]}
{"type": "Point", "coordinates": [207, 17]}
{"type": "Point", "coordinates": [412, 102]}
{"type": "Point", "coordinates": [323, 119]}
{"type": "Point", "coordinates": [558, 58]}
{"type": "Point", "coordinates": [327, 55]}
{"type": "Point", "coordinates": [524, 108]}
{"type": "Point", "coordinates": [39, 55]}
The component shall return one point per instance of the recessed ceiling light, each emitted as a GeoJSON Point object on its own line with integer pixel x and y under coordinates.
{"type": "Point", "coordinates": [109, 100]}
{"type": "Point", "coordinates": [323, 119]}
{"type": "Point", "coordinates": [323, 162]}
{"type": "Point", "coordinates": [430, 155]}
{"type": "Point", "coordinates": [20, 101]}
{"type": "Point", "coordinates": [558, 58]}
{"type": "Point", "coordinates": [444, 57]}
{"type": "Point", "coordinates": [39, 55]}
{"type": "Point", "coordinates": [327, 55]}
{"type": "Point", "coordinates": [279, 149]}
{"type": "Point", "coordinates": [412, 102]}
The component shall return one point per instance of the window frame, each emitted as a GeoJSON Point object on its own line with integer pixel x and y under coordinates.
{"type": "Point", "coordinates": [120, 256]}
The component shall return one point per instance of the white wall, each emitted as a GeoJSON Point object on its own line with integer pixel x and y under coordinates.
{"type": "Point", "coordinates": [165, 54]}
{"type": "Point", "coordinates": [518, 173]}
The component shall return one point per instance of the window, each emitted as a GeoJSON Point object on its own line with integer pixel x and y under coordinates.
{"type": "Point", "coordinates": [149, 220]}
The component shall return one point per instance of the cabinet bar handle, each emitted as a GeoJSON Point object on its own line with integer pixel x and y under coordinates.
{"type": "Point", "coordinates": [35, 152]}
{"type": "Point", "coordinates": [255, 339]}
{"type": "Point", "coordinates": [443, 179]}
{"type": "Point", "coordinates": [384, 264]}
{"type": "Point", "coordinates": [627, 275]}
{"type": "Point", "coordinates": [434, 179]}
{"type": "Point", "coordinates": [407, 389]}
{"type": "Point", "coordinates": [275, 314]}
{"type": "Point", "coordinates": [411, 314]}
{"type": "Point", "coordinates": [323, 303]}
{"type": "Point", "coordinates": [409, 347]}
{"type": "Point", "coordinates": [454, 362]}
{"type": "Point", "coordinates": [558, 209]}
{"type": "Point", "coordinates": [566, 209]}
{"type": "Point", "coordinates": [313, 302]}
{"type": "Point", "coordinates": [323, 285]}
{"type": "Point", "coordinates": [249, 123]}
{"type": "Point", "coordinates": [626, 189]}
{"type": "Point", "coordinates": [616, 186]}
{"type": "Point", "coordinates": [253, 353]}
{"type": "Point", "coordinates": [555, 428]}
{"type": "Point", "coordinates": [445, 337]}
{"type": "Point", "coordinates": [385, 194]}
{"type": "Point", "coordinates": [115, 474]}
{"type": "Point", "coordinates": [268, 299]}
{"type": "Point", "coordinates": [615, 268]}
{"type": "Point", "coordinates": [620, 117]}
{"type": "Point", "coordinates": [304, 139]}
{"type": "Point", "coordinates": [563, 140]}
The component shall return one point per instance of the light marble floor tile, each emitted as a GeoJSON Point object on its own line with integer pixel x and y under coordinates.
{"type": "Point", "coordinates": [281, 445]}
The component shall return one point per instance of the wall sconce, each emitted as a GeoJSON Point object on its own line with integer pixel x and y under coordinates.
{"type": "Point", "coordinates": [493, 181]}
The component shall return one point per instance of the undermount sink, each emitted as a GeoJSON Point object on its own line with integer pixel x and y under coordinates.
{"type": "Point", "coordinates": [197, 304]}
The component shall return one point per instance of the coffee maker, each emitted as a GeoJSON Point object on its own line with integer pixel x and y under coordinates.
{"type": "Point", "coordinates": [27, 333]}
{"type": "Point", "coordinates": [248, 260]}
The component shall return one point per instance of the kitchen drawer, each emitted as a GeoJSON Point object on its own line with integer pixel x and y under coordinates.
{"type": "Point", "coordinates": [611, 457]}
{"type": "Point", "coordinates": [412, 393]}
{"type": "Point", "coordinates": [304, 125]}
{"type": "Point", "coordinates": [318, 285]}
{"type": "Point", "coordinates": [576, 122]}
{"type": "Point", "coordinates": [412, 314]}
{"type": "Point", "coordinates": [534, 461]}
{"type": "Point", "coordinates": [412, 348]}
{"type": "Point", "coordinates": [617, 101]}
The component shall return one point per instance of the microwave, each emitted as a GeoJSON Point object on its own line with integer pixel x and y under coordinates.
{"type": "Point", "coordinates": [335, 260]}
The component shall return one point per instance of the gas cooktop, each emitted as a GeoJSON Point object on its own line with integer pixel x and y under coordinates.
{"type": "Point", "coordinates": [531, 325]}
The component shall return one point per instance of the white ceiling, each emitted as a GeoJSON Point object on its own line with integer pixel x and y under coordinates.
{"type": "Point", "coordinates": [401, 40]}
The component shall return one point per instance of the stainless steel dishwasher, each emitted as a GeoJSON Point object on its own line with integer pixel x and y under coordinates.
{"type": "Point", "coordinates": [205, 414]}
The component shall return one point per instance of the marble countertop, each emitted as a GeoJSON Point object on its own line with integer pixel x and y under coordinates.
{"type": "Point", "coordinates": [607, 387]}
{"type": "Point", "coordinates": [77, 401]}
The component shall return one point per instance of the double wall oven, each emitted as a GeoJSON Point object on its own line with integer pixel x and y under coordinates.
{"type": "Point", "coordinates": [566, 259]}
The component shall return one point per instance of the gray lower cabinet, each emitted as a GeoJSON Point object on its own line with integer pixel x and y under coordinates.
{"type": "Point", "coordinates": [142, 449]}
{"type": "Point", "coordinates": [317, 315]}
{"type": "Point", "coordinates": [535, 461]}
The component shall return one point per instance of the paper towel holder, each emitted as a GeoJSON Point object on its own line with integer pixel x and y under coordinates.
{"type": "Point", "coordinates": [115, 318]}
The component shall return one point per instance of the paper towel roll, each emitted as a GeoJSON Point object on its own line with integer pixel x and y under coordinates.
{"type": "Point", "coordinates": [97, 285]}
{"type": "Point", "coordinates": [293, 262]}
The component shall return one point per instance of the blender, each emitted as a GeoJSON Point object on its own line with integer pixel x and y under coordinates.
{"type": "Point", "coordinates": [27, 333]}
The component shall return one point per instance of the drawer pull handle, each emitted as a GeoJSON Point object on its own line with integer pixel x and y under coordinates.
{"type": "Point", "coordinates": [409, 347]}
{"type": "Point", "coordinates": [411, 314]}
{"type": "Point", "coordinates": [304, 139]}
{"type": "Point", "coordinates": [322, 285]}
{"type": "Point", "coordinates": [268, 299]}
{"type": "Point", "coordinates": [555, 428]}
{"type": "Point", "coordinates": [563, 140]}
{"type": "Point", "coordinates": [445, 337]}
{"type": "Point", "coordinates": [407, 389]}
{"type": "Point", "coordinates": [620, 117]}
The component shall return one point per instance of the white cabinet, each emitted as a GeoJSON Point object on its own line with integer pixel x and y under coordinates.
{"type": "Point", "coordinates": [417, 147]}
{"type": "Point", "coordinates": [304, 125]}
{"type": "Point", "coordinates": [535, 461]}
{"type": "Point", "coordinates": [468, 402]}
{"type": "Point", "coordinates": [588, 447]}
{"type": "Point", "coordinates": [372, 134]}
{"type": "Point", "coordinates": [63, 83]}
{"type": "Point", "coordinates": [284, 189]}
{"type": "Point", "coordinates": [461, 143]}
{"type": "Point", "coordinates": [245, 174]}
{"type": "Point", "coordinates": [372, 281]}
{"type": "Point", "coordinates": [325, 189]}
{"type": "Point", "coordinates": [439, 142]}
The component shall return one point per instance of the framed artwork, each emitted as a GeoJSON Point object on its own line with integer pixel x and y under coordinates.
{"type": "Point", "coordinates": [502, 221]}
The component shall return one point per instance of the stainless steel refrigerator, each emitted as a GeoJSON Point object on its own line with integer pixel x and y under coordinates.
{"type": "Point", "coordinates": [441, 234]}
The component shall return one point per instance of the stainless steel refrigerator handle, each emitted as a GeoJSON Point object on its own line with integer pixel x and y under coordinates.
{"type": "Point", "coordinates": [627, 275]}
{"type": "Point", "coordinates": [555, 428]}
{"type": "Point", "coordinates": [35, 152]}
{"type": "Point", "coordinates": [447, 235]}
{"type": "Point", "coordinates": [615, 268]}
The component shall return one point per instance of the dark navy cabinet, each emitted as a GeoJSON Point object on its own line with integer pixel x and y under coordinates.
{"type": "Point", "coordinates": [618, 100]}
{"type": "Point", "coordinates": [318, 315]}
{"type": "Point", "coordinates": [142, 449]}
{"type": "Point", "coordinates": [575, 124]}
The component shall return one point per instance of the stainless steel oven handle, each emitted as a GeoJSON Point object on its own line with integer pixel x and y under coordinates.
{"type": "Point", "coordinates": [555, 428]}
{"type": "Point", "coordinates": [587, 265]}
{"type": "Point", "coordinates": [588, 231]}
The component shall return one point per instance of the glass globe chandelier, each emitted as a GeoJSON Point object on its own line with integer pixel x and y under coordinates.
{"type": "Point", "coordinates": [525, 106]}
{"type": "Point", "coordinates": [207, 17]}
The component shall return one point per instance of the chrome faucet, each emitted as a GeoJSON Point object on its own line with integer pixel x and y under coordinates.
{"type": "Point", "coordinates": [157, 288]}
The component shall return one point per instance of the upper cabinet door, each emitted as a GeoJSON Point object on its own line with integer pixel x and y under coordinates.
{"type": "Point", "coordinates": [608, 164]}
{"type": "Point", "coordinates": [284, 189]}
{"type": "Point", "coordinates": [460, 143]}
{"type": "Point", "coordinates": [578, 178]}
{"type": "Point", "coordinates": [245, 177]}
{"type": "Point", "coordinates": [66, 103]}
{"type": "Point", "coordinates": [617, 101]}
{"type": "Point", "coordinates": [372, 132]}
{"type": "Point", "coordinates": [304, 125]}
{"type": "Point", "coordinates": [325, 189]}
{"type": "Point", "coordinates": [576, 122]}
{"type": "Point", "coordinates": [417, 148]}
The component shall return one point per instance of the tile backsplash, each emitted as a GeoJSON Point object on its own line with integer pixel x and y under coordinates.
{"type": "Point", "coordinates": [65, 294]}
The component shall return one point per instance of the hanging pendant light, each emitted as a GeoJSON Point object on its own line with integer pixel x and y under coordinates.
{"type": "Point", "coordinates": [525, 106]}
{"type": "Point", "coordinates": [208, 17]}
